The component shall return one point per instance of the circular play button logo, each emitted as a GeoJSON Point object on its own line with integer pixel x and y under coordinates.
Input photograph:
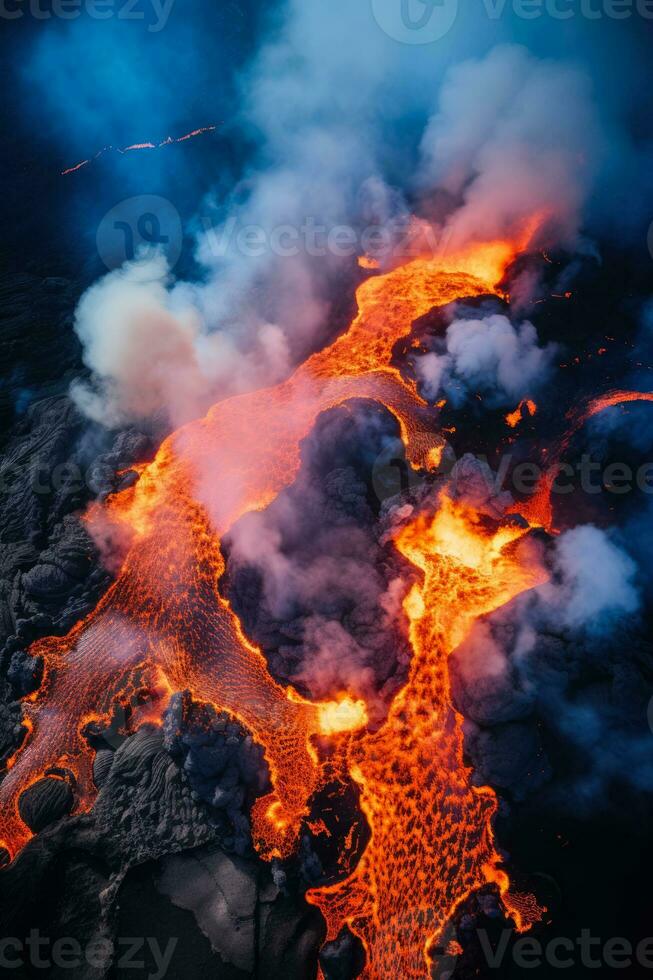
{"type": "Point", "coordinates": [415, 21]}
{"type": "Point", "coordinates": [140, 227]}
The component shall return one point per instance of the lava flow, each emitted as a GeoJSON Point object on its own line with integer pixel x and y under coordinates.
{"type": "Point", "coordinates": [431, 840]}
{"type": "Point", "coordinates": [164, 616]}
{"type": "Point", "coordinates": [148, 145]}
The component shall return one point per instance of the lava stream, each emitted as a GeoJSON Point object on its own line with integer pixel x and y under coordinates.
{"type": "Point", "coordinates": [411, 773]}
{"type": "Point", "coordinates": [138, 146]}
{"type": "Point", "coordinates": [431, 831]}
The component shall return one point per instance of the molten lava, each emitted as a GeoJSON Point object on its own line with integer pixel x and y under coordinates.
{"type": "Point", "coordinates": [164, 617]}
{"type": "Point", "coordinates": [431, 840]}
{"type": "Point", "coordinates": [343, 715]}
{"type": "Point", "coordinates": [526, 406]}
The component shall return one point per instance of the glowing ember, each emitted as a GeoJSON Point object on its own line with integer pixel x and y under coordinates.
{"type": "Point", "coordinates": [527, 405]}
{"type": "Point", "coordinates": [139, 146]}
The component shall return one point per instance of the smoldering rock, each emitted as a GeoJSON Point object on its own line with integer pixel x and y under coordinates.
{"type": "Point", "coordinates": [49, 570]}
{"type": "Point", "coordinates": [485, 686]}
{"type": "Point", "coordinates": [509, 757]}
{"type": "Point", "coordinates": [45, 802]}
{"type": "Point", "coordinates": [65, 580]}
{"type": "Point", "coordinates": [107, 472]}
{"type": "Point", "coordinates": [145, 806]}
{"type": "Point", "coordinates": [579, 699]}
{"type": "Point", "coordinates": [343, 957]}
{"type": "Point", "coordinates": [11, 730]}
{"type": "Point", "coordinates": [311, 868]}
{"type": "Point", "coordinates": [222, 893]}
{"type": "Point", "coordinates": [144, 810]}
{"type": "Point", "coordinates": [50, 575]}
{"type": "Point", "coordinates": [102, 766]}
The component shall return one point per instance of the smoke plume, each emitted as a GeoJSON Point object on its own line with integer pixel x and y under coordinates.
{"type": "Point", "coordinates": [492, 356]}
{"type": "Point", "coordinates": [511, 137]}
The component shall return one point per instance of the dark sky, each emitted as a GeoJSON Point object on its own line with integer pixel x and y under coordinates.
{"type": "Point", "coordinates": [72, 86]}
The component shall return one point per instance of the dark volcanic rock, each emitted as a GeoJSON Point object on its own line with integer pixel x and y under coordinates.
{"type": "Point", "coordinates": [344, 958]}
{"type": "Point", "coordinates": [310, 579]}
{"type": "Point", "coordinates": [102, 766]}
{"type": "Point", "coordinates": [224, 766]}
{"type": "Point", "coordinates": [24, 673]}
{"type": "Point", "coordinates": [251, 925]}
{"type": "Point", "coordinates": [45, 801]}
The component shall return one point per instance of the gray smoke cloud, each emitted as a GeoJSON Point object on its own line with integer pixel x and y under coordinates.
{"type": "Point", "coordinates": [514, 137]}
{"type": "Point", "coordinates": [563, 659]}
{"type": "Point", "coordinates": [151, 352]}
{"type": "Point", "coordinates": [338, 111]}
{"type": "Point", "coordinates": [492, 356]}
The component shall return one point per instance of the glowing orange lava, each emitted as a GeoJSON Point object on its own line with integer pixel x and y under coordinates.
{"type": "Point", "coordinates": [404, 889]}
{"type": "Point", "coordinates": [526, 405]}
{"type": "Point", "coordinates": [342, 715]}
{"type": "Point", "coordinates": [165, 618]}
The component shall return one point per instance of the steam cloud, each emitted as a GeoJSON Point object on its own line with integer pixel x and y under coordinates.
{"type": "Point", "coordinates": [152, 353]}
{"type": "Point", "coordinates": [597, 579]}
{"type": "Point", "coordinates": [491, 356]}
{"type": "Point", "coordinates": [512, 136]}
{"type": "Point", "coordinates": [527, 146]}
{"type": "Point", "coordinates": [535, 664]}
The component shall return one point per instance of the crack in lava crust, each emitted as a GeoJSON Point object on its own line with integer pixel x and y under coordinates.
{"type": "Point", "coordinates": [164, 614]}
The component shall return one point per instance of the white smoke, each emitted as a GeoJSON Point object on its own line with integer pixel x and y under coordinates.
{"type": "Point", "coordinates": [338, 110]}
{"type": "Point", "coordinates": [597, 579]}
{"type": "Point", "coordinates": [491, 356]}
{"type": "Point", "coordinates": [150, 354]}
{"type": "Point", "coordinates": [514, 136]}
